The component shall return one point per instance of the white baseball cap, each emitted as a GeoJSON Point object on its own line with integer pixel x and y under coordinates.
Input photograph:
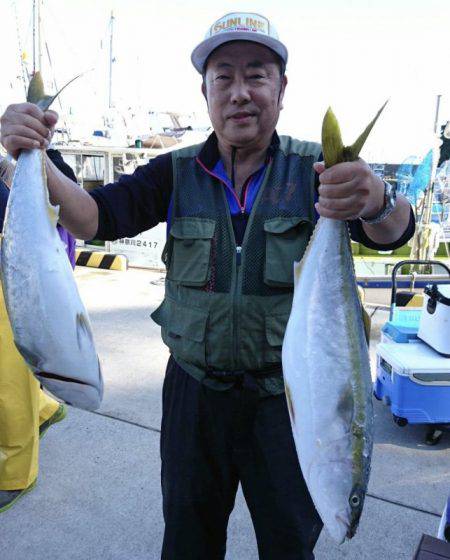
{"type": "Point", "coordinates": [238, 26]}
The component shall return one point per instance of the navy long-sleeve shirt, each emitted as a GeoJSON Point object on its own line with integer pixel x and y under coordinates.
{"type": "Point", "coordinates": [138, 202]}
{"type": "Point", "coordinates": [4, 192]}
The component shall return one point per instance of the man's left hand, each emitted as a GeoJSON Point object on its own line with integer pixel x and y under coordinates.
{"type": "Point", "coordinates": [348, 191]}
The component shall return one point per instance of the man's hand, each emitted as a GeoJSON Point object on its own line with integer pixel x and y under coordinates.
{"type": "Point", "coordinates": [24, 126]}
{"type": "Point", "coordinates": [348, 191]}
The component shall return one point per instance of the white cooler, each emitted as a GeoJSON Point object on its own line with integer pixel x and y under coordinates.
{"type": "Point", "coordinates": [434, 327]}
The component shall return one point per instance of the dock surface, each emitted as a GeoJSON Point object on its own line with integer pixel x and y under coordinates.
{"type": "Point", "coordinates": [98, 494]}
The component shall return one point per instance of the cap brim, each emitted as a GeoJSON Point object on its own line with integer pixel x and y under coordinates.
{"type": "Point", "coordinates": [205, 48]}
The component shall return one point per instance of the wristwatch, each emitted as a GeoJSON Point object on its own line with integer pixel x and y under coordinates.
{"type": "Point", "coordinates": [390, 199]}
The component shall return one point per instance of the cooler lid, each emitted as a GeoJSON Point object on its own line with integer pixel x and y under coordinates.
{"type": "Point", "coordinates": [408, 358]}
{"type": "Point", "coordinates": [400, 333]}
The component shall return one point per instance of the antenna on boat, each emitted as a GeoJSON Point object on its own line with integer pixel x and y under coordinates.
{"type": "Point", "coordinates": [111, 59]}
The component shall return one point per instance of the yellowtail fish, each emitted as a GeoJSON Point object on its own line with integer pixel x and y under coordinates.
{"type": "Point", "coordinates": [50, 324]}
{"type": "Point", "coordinates": [326, 365]}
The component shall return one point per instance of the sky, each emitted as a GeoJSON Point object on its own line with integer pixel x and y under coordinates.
{"type": "Point", "coordinates": [348, 54]}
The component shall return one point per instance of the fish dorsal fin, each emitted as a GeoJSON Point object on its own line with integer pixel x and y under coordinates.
{"type": "Point", "coordinates": [333, 148]}
{"type": "Point", "coordinates": [36, 93]}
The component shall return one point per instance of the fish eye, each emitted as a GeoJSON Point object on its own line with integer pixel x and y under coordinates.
{"type": "Point", "coordinates": [355, 501]}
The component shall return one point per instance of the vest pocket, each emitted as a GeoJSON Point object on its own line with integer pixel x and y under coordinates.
{"type": "Point", "coordinates": [286, 241]}
{"type": "Point", "coordinates": [183, 330]}
{"type": "Point", "coordinates": [275, 329]}
{"type": "Point", "coordinates": [189, 250]}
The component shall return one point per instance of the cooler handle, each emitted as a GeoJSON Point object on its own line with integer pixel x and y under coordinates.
{"type": "Point", "coordinates": [394, 277]}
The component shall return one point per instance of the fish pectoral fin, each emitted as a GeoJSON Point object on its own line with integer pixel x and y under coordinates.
{"type": "Point", "coordinates": [83, 329]}
{"type": "Point", "coordinates": [345, 405]}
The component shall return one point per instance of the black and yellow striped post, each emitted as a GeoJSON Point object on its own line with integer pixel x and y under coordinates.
{"type": "Point", "coordinates": [408, 299]}
{"type": "Point", "coordinates": [100, 259]}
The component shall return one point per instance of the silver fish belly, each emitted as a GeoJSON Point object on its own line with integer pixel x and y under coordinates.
{"type": "Point", "coordinates": [50, 324]}
{"type": "Point", "coordinates": [326, 370]}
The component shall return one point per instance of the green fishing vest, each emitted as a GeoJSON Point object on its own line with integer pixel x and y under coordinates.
{"type": "Point", "coordinates": [226, 307]}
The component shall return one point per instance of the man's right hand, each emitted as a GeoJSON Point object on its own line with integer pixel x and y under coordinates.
{"type": "Point", "coordinates": [25, 126]}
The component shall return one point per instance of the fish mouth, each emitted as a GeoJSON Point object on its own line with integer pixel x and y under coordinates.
{"type": "Point", "coordinates": [345, 529]}
{"type": "Point", "coordinates": [55, 377]}
{"type": "Point", "coordinates": [354, 518]}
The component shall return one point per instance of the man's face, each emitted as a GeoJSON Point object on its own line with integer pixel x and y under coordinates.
{"type": "Point", "coordinates": [244, 91]}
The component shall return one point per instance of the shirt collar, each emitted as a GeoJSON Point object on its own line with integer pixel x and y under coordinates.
{"type": "Point", "coordinates": [209, 154]}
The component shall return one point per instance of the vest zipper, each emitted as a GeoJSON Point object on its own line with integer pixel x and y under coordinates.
{"type": "Point", "coordinates": [237, 264]}
{"type": "Point", "coordinates": [238, 255]}
{"type": "Point", "coordinates": [245, 190]}
{"type": "Point", "coordinates": [236, 305]}
{"type": "Point", "coordinates": [232, 190]}
{"type": "Point", "coordinates": [237, 292]}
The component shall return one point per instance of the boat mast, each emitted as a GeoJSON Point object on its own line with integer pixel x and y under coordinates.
{"type": "Point", "coordinates": [422, 241]}
{"type": "Point", "coordinates": [428, 210]}
{"type": "Point", "coordinates": [37, 36]}
{"type": "Point", "coordinates": [436, 118]}
{"type": "Point", "coordinates": [22, 55]}
{"type": "Point", "coordinates": [111, 60]}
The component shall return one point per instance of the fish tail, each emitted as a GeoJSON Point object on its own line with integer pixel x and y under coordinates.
{"type": "Point", "coordinates": [333, 149]}
{"type": "Point", "coordinates": [356, 147]}
{"type": "Point", "coordinates": [36, 92]}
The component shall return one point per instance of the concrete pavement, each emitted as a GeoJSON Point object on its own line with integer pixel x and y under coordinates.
{"type": "Point", "coordinates": [98, 495]}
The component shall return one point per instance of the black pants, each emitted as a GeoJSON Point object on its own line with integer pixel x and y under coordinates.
{"type": "Point", "coordinates": [208, 445]}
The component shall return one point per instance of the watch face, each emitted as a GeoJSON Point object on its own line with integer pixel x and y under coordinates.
{"type": "Point", "coordinates": [390, 193]}
{"type": "Point", "coordinates": [390, 198]}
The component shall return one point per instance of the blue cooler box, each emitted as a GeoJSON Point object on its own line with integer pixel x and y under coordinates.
{"type": "Point", "coordinates": [414, 381]}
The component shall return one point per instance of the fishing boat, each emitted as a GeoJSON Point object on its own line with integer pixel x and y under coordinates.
{"type": "Point", "coordinates": [426, 184]}
{"type": "Point", "coordinates": [125, 138]}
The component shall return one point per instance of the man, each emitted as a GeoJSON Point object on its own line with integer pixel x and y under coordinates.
{"type": "Point", "coordinates": [26, 412]}
{"type": "Point", "coordinates": [240, 209]}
